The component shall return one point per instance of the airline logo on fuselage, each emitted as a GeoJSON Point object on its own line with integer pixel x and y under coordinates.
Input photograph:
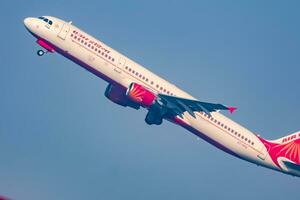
{"type": "Point", "coordinates": [290, 138]}
{"type": "Point", "coordinates": [89, 41]}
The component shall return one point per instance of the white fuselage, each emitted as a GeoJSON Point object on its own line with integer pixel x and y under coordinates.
{"type": "Point", "coordinates": [116, 68]}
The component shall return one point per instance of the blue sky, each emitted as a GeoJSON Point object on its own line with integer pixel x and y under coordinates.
{"type": "Point", "coordinates": [60, 138]}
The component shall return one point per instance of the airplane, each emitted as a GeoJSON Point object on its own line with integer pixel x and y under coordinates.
{"type": "Point", "coordinates": [132, 85]}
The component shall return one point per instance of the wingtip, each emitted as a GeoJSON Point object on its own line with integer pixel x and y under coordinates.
{"type": "Point", "coordinates": [232, 109]}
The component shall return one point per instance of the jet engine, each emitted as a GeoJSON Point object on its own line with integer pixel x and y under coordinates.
{"type": "Point", "coordinates": [140, 95]}
{"type": "Point", "coordinates": [117, 94]}
{"type": "Point", "coordinates": [135, 96]}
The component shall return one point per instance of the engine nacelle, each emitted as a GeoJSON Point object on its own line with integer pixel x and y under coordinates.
{"type": "Point", "coordinates": [135, 96]}
{"type": "Point", "coordinates": [154, 115]}
{"type": "Point", "coordinates": [118, 95]}
{"type": "Point", "coordinates": [140, 95]}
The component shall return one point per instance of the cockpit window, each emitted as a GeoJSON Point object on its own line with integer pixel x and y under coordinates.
{"type": "Point", "coordinates": [46, 20]}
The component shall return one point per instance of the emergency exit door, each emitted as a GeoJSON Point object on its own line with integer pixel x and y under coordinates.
{"type": "Point", "coordinates": [64, 31]}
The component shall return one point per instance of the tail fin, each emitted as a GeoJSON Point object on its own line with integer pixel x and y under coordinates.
{"type": "Point", "coordinates": [284, 150]}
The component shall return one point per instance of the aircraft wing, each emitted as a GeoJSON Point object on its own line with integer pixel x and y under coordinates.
{"type": "Point", "coordinates": [177, 106]}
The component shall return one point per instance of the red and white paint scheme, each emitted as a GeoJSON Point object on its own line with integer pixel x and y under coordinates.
{"type": "Point", "coordinates": [130, 84]}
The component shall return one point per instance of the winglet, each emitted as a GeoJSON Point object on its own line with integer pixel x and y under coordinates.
{"type": "Point", "coordinates": [231, 109]}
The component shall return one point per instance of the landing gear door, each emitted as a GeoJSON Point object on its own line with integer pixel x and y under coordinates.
{"type": "Point", "coordinates": [64, 31]}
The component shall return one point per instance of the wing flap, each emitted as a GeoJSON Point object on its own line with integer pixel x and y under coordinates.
{"type": "Point", "coordinates": [178, 106]}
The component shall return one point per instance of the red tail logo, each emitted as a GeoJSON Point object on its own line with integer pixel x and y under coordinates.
{"type": "Point", "coordinates": [289, 150]}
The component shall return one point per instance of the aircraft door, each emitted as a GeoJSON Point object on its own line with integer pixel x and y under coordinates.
{"type": "Point", "coordinates": [121, 62]}
{"type": "Point", "coordinates": [120, 65]}
{"type": "Point", "coordinates": [64, 31]}
{"type": "Point", "coordinates": [264, 152]}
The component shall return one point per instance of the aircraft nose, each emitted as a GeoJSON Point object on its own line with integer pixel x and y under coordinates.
{"type": "Point", "coordinates": [28, 22]}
